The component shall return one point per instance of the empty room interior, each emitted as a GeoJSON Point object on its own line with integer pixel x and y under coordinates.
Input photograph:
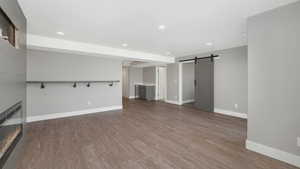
{"type": "Point", "coordinates": [136, 84]}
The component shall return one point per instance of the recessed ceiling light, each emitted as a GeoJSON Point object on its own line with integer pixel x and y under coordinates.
{"type": "Point", "coordinates": [60, 33]}
{"type": "Point", "coordinates": [209, 44]}
{"type": "Point", "coordinates": [161, 27]}
{"type": "Point", "coordinates": [124, 44]}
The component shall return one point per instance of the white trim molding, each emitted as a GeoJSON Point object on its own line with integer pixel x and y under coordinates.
{"type": "Point", "coordinates": [12, 121]}
{"type": "Point", "coordinates": [88, 49]}
{"type": "Point", "coordinates": [172, 102]}
{"type": "Point", "coordinates": [274, 153]}
{"type": "Point", "coordinates": [180, 83]}
{"type": "Point", "coordinates": [151, 64]}
{"type": "Point", "coordinates": [156, 83]}
{"type": "Point", "coordinates": [231, 113]}
{"type": "Point", "coordinates": [70, 114]}
{"type": "Point", "coordinates": [188, 101]}
{"type": "Point", "coordinates": [132, 97]}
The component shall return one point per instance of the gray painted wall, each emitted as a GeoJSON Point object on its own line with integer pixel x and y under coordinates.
{"type": "Point", "coordinates": [149, 75]}
{"type": "Point", "coordinates": [13, 70]}
{"type": "Point", "coordinates": [172, 82]}
{"type": "Point", "coordinates": [135, 75]}
{"type": "Point", "coordinates": [274, 81]}
{"type": "Point", "coordinates": [230, 81]}
{"type": "Point", "coordinates": [60, 98]}
{"type": "Point", "coordinates": [188, 77]}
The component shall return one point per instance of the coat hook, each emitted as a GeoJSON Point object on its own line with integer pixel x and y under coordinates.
{"type": "Point", "coordinates": [212, 57]}
{"type": "Point", "coordinates": [88, 85]}
{"type": "Point", "coordinates": [74, 85]}
{"type": "Point", "coordinates": [42, 85]}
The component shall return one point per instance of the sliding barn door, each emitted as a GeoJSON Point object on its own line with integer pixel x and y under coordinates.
{"type": "Point", "coordinates": [204, 84]}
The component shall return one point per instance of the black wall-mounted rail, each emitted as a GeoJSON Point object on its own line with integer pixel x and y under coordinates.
{"type": "Point", "coordinates": [75, 82]}
{"type": "Point", "coordinates": [211, 57]}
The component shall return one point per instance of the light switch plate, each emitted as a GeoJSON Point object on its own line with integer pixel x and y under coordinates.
{"type": "Point", "coordinates": [298, 141]}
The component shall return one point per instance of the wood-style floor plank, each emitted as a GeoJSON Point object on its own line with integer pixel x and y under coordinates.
{"type": "Point", "coordinates": [144, 135]}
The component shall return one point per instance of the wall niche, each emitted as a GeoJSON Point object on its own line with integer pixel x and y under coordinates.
{"type": "Point", "coordinates": [7, 29]}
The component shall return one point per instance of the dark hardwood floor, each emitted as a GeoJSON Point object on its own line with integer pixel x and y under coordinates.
{"type": "Point", "coordinates": [144, 135]}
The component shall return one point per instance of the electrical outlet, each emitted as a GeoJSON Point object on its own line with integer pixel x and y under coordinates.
{"type": "Point", "coordinates": [236, 106]}
{"type": "Point", "coordinates": [298, 141]}
{"type": "Point", "coordinates": [89, 103]}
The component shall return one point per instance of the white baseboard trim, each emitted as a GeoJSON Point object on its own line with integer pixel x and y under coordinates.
{"type": "Point", "coordinates": [231, 113]}
{"type": "Point", "coordinates": [70, 114]}
{"type": "Point", "coordinates": [132, 97]}
{"type": "Point", "coordinates": [187, 101]}
{"type": "Point", "coordinates": [172, 102]}
{"type": "Point", "coordinates": [13, 121]}
{"type": "Point", "coordinates": [274, 153]}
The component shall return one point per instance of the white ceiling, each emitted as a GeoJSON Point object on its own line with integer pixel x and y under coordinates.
{"type": "Point", "coordinates": [189, 23]}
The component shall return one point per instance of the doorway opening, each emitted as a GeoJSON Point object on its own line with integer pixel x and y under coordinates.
{"type": "Point", "coordinates": [203, 82]}
{"type": "Point", "coordinates": [188, 86]}
{"type": "Point", "coordinates": [161, 83]}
